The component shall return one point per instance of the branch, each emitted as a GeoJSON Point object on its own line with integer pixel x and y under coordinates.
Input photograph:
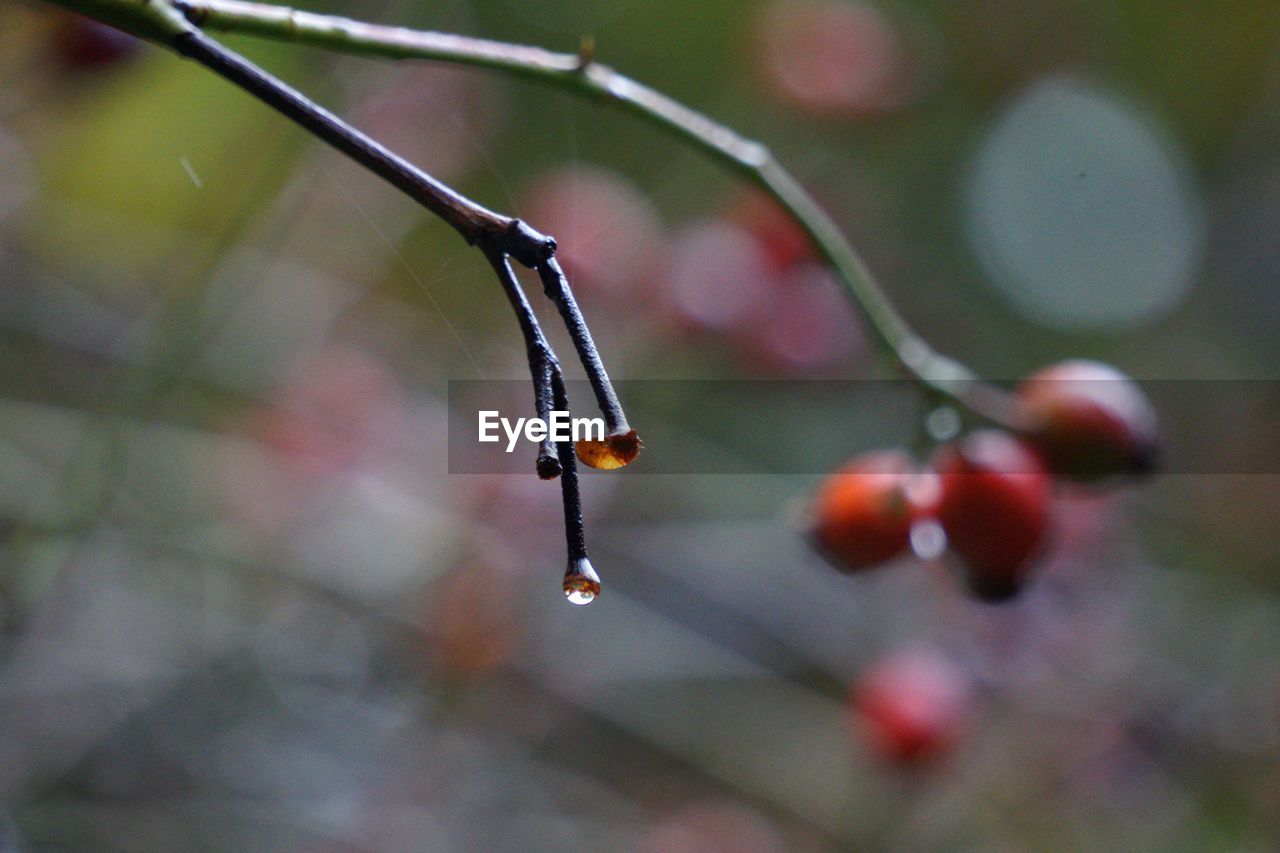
{"type": "Point", "coordinates": [581, 583]}
{"type": "Point", "coordinates": [556, 286]}
{"type": "Point", "coordinates": [476, 224]}
{"type": "Point", "coordinates": [580, 74]}
{"type": "Point", "coordinates": [499, 237]}
{"type": "Point", "coordinates": [161, 21]}
{"type": "Point", "coordinates": [543, 364]}
{"type": "Point", "coordinates": [175, 24]}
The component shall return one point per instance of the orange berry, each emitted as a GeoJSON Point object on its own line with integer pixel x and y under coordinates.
{"type": "Point", "coordinates": [862, 514]}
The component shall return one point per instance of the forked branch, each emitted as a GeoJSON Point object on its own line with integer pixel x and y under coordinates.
{"type": "Point", "coordinates": [178, 25]}
{"type": "Point", "coordinates": [499, 237]}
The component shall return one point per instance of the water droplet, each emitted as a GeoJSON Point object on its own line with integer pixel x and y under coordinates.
{"type": "Point", "coordinates": [614, 451]}
{"type": "Point", "coordinates": [943, 423]}
{"type": "Point", "coordinates": [928, 539]}
{"type": "Point", "coordinates": [581, 583]}
{"type": "Point", "coordinates": [579, 594]}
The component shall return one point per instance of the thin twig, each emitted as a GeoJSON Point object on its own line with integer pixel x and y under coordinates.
{"type": "Point", "coordinates": [478, 225]}
{"type": "Point", "coordinates": [543, 364]}
{"type": "Point", "coordinates": [473, 222]}
{"type": "Point", "coordinates": [556, 286]}
{"type": "Point", "coordinates": [574, 533]}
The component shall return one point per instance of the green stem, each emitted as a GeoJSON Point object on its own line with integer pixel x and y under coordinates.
{"type": "Point", "coordinates": [582, 75]}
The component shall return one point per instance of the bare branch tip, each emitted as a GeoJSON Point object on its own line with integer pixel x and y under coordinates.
{"type": "Point", "coordinates": [586, 52]}
{"type": "Point", "coordinates": [549, 467]}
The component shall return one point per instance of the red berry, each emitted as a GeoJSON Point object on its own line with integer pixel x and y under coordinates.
{"type": "Point", "coordinates": [783, 240]}
{"type": "Point", "coordinates": [1088, 420]}
{"type": "Point", "coordinates": [911, 707]}
{"type": "Point", "coordinates": [83, 44]}
{"type": "Point", "coordinates": [994, 507]}
{"type": "Point", "coordinates": [414, 96]}
{"type": "Point", "coordinates": [862, 514]}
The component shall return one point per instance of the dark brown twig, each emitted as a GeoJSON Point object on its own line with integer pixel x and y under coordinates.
{"type": "Point", "coordinates": [474, 222]}
{"type": "Point", "coordinates": [544, 367]}
{"type": "Point", "coordinates": [499, 237]}
{"type": "Point", "coordinates": [556, 286]}
{"type": "Point", "coordinates": [575, 535]}
{"type": "Point", "coordinates": [506, 236]}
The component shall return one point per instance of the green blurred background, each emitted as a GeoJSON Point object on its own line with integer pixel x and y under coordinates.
{"type": "Point", "coordinates": [245, 604]}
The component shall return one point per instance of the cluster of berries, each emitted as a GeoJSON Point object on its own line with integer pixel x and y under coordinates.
{"type": "Point", "coordinates": [989, 492]}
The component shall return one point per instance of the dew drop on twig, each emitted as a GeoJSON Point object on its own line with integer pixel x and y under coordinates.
{"type": "Point", "coordinates": [581, 583]}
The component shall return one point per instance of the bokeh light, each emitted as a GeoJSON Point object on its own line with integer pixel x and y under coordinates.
{"type": "Point", "coordinates": [1080, 212]}
{"type": "Point", "coordinates": [17, 174]}
{"type": "Point", "coordinates": [835, 58]}
{"type": "Point", "coordinates": [606, 229]}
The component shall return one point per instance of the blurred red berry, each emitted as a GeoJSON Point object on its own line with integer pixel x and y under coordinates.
{"type": "Point", "coordinates": [807, 325]}
{"type": "Point", "coordinates": [473, 622]}
{"type": "Point", "coordinates": [834, 58]}
{"type": "Point", "coordinates": [719, 277]}
{"type": "Point", "coordinates": [1088, 420]}
{"type": "Point", "coordinates": [911, 707]}
{"type": "Point", "coordinates": [430, 114]}
{"type": "Point", "coordinates": [862, 515]}
{"type": "Point", "coordinates": [994, 506]}
{"type": "Point", "coordinates": [606, 230]}
{"type": "Point", "coordinates": [83, 44]}
{"type": "Point", "coordinates": [783, 241]}
{"type": "Point", "coordinates": [336, 407]}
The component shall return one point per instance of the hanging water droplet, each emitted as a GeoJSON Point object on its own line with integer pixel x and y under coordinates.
{"type": "Point", "coordinates": [943, 423]}
{"type": "Point", "coordinates": [581, 583]}
{"type": "Point", "coordinates": [928, 539]}
{"type": "Point", "coordinates": [613, 451]}
{"type": "Point", "coordinates": [580, 592]}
